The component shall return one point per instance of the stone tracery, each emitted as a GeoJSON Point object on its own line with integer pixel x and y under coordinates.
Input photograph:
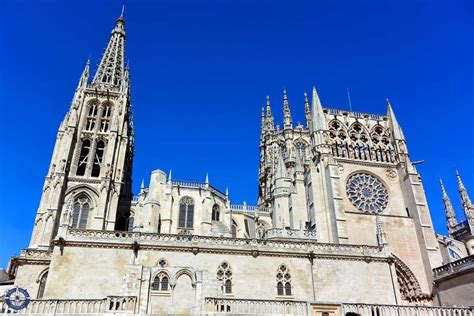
{"type": "Point", "coordinates": [367, 193]}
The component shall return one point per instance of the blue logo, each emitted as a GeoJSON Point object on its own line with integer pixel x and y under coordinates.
{"type": "Point", "coordinates": [17, 298]}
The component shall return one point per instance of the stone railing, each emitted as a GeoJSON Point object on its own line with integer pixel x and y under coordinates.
{"type": "Point", "coordinates": [150, 240]}
{"type": "Point", "coordinates": [399, 310]}
{"type": "Point", "coordinates": [111, 304]}
{"type": "Point", "coordinates": [460, 265]}
{"type": "Point", "coordinates": [375, 117]}
{"type": "Point", "coordinates": [199, 185]}
{"type": "Point", "coordinates": [286, 233]}
{"type": "Point", "coordinates": [249, 208]}
{"type": "Point", "coordinates": [216, 306]}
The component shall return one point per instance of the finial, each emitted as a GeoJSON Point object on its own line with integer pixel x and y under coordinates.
{"type": "Point", "coordinates": [227, 191]}
{"type": "Point", "coordinates": [123, 9]}
{"type": "Point", "coordinates": [207, 178]}
{"type": "Point", "coordinates": [169, 176]}
{"type": "Point", "coordinates": [268, 100]}
{"type": "Point", "coordinates": [142, 186]}
{"type": "Point", "coordinates": [285, 97]}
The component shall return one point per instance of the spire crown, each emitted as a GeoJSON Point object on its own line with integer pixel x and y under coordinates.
{"type": "Point", "coordinates": [397, 130]}
{"type": "Point", "coordinates": [111, 70]}
{"type": "Point", "coordinates": [319, 121]}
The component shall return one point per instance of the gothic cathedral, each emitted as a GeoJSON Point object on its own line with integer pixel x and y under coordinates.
{"type": "Point", "coordinates": [341, 227]}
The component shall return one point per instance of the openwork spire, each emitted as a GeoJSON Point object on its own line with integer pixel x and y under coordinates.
{"type": "Point", "coordinates": [262, 125]}
{"type": "Point", "coordinates": [111, 69]}
{"type": "Point", "coordinates": [448, 208]}
{"type": "Point", "coordinates": [287, 121]}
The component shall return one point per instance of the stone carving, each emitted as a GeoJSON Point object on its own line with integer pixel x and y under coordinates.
{"type": "Point", "coordinates": [367, 193]}
{"type": "Point", "coordinates": [391, 173]}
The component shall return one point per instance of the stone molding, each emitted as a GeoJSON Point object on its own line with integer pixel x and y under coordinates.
{"type": "Point", "coordinates": [221, 245]}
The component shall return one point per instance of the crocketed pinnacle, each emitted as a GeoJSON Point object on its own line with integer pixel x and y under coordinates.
{"type": "Point", "coordinates": [307, 111]}
{"type": "Point", "coordinates": [448, 208]}
{"type": "Point", "coordinates": [287, 121]}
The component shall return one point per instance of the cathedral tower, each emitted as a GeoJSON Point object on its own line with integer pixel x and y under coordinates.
{"type": "Point", "coordinates": [89, 180]}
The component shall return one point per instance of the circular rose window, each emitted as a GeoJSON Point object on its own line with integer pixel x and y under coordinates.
{"type": "Point", "coordinates": [367, 193]}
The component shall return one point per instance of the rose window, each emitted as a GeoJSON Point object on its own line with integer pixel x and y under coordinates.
{"type": "Point", "coordinates": [367, 193]}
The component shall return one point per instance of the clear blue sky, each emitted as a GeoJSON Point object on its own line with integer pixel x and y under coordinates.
{"type": "Point", "coordinates": [201, 71]}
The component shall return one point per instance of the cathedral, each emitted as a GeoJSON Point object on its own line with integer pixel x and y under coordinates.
{"type": "Point", "coordinates": [341, 226]}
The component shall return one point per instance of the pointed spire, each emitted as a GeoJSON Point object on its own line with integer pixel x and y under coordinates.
{"type": "Point", "coordinates": [465, 199]}
{"type": "Point", "coordinates": [111, 69]}
{"type": "Point", "coordinates": [396, 129]}
{"type": "Point", "coordinates": [269, 119]}
{"type": "Point", "coordinates": [319, 121]}
{"type": "Point", "coordinates": [227, 192]}
{"type": "Point", "coordinates": [307, 111]}
{"type": "Point", "coordinates": [85, 75]}
{"type": "Point", "coordinates": [207, 178]}
{"type": "Point", "coordinates": [142, 186]}
{"type": "Point", "coordinates": [287, 121]}
{"type": "Point", "coordinates": [169, 177]}
{"type": "Point", "coordinates": [262, 125]}
{"type": "Point", "coordinates": [448, 209]}
{"type": "Point", "coordinates": [281, 168]}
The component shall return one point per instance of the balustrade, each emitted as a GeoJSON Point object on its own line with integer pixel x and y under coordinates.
{"type": "Point", "coordinates": [398, 310]}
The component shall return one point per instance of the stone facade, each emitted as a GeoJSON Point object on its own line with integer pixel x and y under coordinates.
{"type": "Point", "coordinates": [342, 218]}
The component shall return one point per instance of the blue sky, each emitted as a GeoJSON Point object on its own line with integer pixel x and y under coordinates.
{"type": "Point", "coordinates": [201, 71]}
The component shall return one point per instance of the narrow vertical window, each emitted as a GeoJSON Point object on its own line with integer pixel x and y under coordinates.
{"type": "Point", "coordinates": [233, 229]}
{"type": "Point", "coordinates": [42, 285]}
{"type": "Point", "coordinates": [186, 213]}
{"type": "Point", "coordinates": [83, 157]}
{"type": "Point", "coordinates": [99, 154]}
{"type": "Point", "coordinates": [80, 212]}
{"type": "Point", "coordinates": [215, 212]}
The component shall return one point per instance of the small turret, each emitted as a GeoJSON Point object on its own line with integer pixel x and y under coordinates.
{"type": "Point", "coordinates": [448, 209]}
{"type": "Point", "coordinates": [287, 121]}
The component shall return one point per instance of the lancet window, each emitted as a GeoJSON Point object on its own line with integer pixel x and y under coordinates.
{"type": "Point", "coordinates": [283, 278]}
{"type": "Point", "coordinates": [91, 116]}
{"type": "Point", "coordinates": [224, 274]}
{"type": "Point", "coordinates": [105, 118]}
{"type": "Point", "coordinates": [160, 282]}
{"type": "Point", "coordinates": [42, 285]}
{"type": "Point", "coordinates": [301, 150]}
{"type": "Point", "coordinates": [99, 155]}
{"type": "Point", "coordinates": [80, 212]}
{"type": "Point", "coordinates": [358, 143]}
{"type": "Point", "coordinates": [186, 213]}
{"type": "Point", "coordinates": [215, 212]}
{"type": "Point", "coordinates": [83, 157]}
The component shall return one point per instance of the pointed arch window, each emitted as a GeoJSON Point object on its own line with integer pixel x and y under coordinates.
{"type": "Point", "coordinates": [233, 229]}
{"type": "Point", "coordinates": [80, 212]}
{"type": "Point", "coordinates": [224, 274]}
{"type": "Point", "coordinates": [91, 116]}
{"type": "Point", "coordinates": [83, 157]}
{"type": "Point", "coordinates": [99, 154]}
{"type": "Point", "coordinates": [283, 278]}
{"type": "Point", "coordinates": [42, 285]}
{"type": "Point", "coordinates": [160, 282]}
{"type": "Point", "coordinates": [104, 121]}
{"type": "Point", "coordinates": [186, 213]}
{"type": "Point", "coordinates": [301, 150]}
{"type": "Point", "coordinates": [215, 212]}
